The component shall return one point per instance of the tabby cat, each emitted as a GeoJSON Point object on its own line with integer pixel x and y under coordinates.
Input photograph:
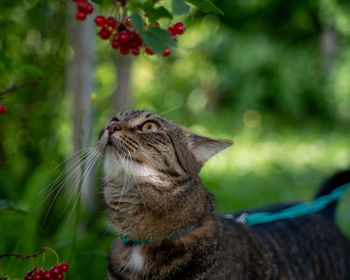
{"type": "Point", "coordinates": [156, 201]}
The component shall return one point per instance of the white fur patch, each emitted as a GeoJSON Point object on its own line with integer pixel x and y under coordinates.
{"type": "Point", "coordinates": [136, 259]}
{"type": "Point", "coordinates": [111, 165]}
{"type": "Point", "coordinates": [119, 168]}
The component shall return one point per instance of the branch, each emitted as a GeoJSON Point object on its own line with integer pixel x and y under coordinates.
{"type": "Point", "coordinates": [17, 87]}
{"type": "Point", "coordinates": [40, 251]}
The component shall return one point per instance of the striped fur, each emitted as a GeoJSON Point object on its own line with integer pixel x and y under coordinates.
{"type": "Point", "coordinates": [152, 189]}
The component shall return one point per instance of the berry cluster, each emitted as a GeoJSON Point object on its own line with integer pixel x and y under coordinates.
{"type": "Point", "coordinates": [55, 273]}
{"type": "Point", "coordinates": [3, 108]}
{"type": "Point", "coordinates": [177, 29]}
{"type": "Point", "coordinates": [84, 8]}
{"type": "Point", "coordinates": [126, 39]}
{"type": "Point", "coordinates": [122, 36]}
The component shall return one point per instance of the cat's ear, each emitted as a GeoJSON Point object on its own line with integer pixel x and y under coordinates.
{"type": "Point", "coordinates": [204, 148]}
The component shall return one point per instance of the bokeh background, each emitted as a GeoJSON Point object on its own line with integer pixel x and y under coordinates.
{"type": "Point", "coordinates": [272, 75]}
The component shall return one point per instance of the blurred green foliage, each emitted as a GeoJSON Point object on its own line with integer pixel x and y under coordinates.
{"type": "Point", "coordinates": [255, 75]}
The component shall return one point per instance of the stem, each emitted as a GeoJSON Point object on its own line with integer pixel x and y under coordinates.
{"type": "Point", "coordinates": [40, 251]}
{"type": "Point", "coordinates": [18, 255]}
{"type": "Point", "coordinates": [43, 260]}
{"type": "Point", "coordinates": [53, 251]}
{"type": "Point", "coordinates": [17, 87]}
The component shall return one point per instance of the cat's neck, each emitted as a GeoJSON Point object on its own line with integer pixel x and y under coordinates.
{"type": "Point", "coordinates": [151, 216]}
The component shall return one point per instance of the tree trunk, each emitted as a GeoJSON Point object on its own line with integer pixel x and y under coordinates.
{"type": "Point", "coordinates": [329, 48]}
{"type": "Point", "coordinates": [80, 84]}
{"type": "Point", "coordinates": [123, 92]}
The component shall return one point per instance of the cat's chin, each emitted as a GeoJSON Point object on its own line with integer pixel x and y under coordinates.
{"type": "Point", "coordinates": [126, 169]}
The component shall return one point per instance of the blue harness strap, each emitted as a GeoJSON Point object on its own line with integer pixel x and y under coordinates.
{"type": "Point", "coordinates": [294, 211]}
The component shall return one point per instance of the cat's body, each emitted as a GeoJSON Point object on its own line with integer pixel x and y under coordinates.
{"type": "Point", "coordinates": [153, 193]}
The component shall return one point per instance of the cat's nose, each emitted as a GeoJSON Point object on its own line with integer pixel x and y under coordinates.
{"type": "Point", "coordinates": [113, 127]}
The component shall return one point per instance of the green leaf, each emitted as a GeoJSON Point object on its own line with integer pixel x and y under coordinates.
{"type": "Point", "coordinates": [30, 70]}
{"type": "Point", "coordinates": [206, 6]}
{"type": "Point", "coordinates": [179, 7]}
{"type": "Point", "coordinates": [137, 22]}
{"type": "Point", "coordinates": [97, 1]}
{"type": "Point", "coordinates": [9, 206]}
{"type": "Point", "coordinates": [155, 13]}
{"type": "Point", "coordinates": [133, 5]}
{"type": "Point", "coordinates": [155, 38]}
{"type": "Point", "coordinates": [158, 39]}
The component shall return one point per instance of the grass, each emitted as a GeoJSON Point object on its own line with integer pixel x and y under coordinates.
{"type": "Point", "coordinates": [265, 167]}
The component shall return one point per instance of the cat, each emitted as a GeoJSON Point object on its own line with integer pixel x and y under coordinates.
{"type": "Point", "coordinates": [156, 201]}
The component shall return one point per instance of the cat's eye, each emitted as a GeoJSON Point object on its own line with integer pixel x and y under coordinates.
{"type": "Point", "coordinates": [150, 127]}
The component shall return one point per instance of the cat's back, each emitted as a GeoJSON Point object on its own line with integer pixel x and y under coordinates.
{"type": "Point", "coordinates": [308, 247]}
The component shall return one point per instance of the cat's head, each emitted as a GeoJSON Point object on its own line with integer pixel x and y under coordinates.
{"type": "Point", "coordinates": [144, 146]}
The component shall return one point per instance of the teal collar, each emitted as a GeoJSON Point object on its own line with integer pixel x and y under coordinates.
{"type": "Point", "coordinates": [165, 237]}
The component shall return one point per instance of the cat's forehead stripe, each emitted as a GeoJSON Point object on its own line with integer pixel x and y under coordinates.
{"type": "Point", "coordinates": [132, 115]}
{"type": "Point", "coordinates": [137, 116]}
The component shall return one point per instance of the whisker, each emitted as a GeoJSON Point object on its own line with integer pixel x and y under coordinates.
{"type": "Point", "coordinates": [117, 209]}
{"type": "Point", "coordinates": [72, 160]}
{"type": "Point", "coordinates": [87, 166]}
{"type": "Point", "coordinates": [173, 109]}
{"type": "Point", "coordinates": [58, 188]}
{"type": "Point", "coordinates": [80, 185]}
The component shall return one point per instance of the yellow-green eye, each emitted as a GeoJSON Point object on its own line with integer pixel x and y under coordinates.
{"type": "Point", "coordinates": [150, 127]}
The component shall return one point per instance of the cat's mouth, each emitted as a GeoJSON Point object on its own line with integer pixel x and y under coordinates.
{"type": "Point", "coordinates": [121, 151]}
{"type": "Point", "coordinates": [106, 143]}
{"type": "Point", "coordinates": [119, 159]}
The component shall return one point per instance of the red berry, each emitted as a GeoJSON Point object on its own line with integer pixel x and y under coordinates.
{"type": "Point", "coordinates": [179, 28]}
{"type": "Point", "coordinates": [104, 33]}
{"type": "Point", "coordinates": [100, 20]}
{"type": "Point", "coordinates": [81, 6]}
{"type": "Point", "coordinates": [30, 274]}
{"type": "Point", "coordinates": [55, 270]}
{"type": "Point", "coordinates": [34, 269]}
{"type": "Point", "coordinates": [36, 276]}
{"type": "Point", "coordinates": [157, 24]}
{"type": "Point", "coordinates": [137, 39]}
{"type": "Point", "coordinates": [85, 7]}
{"type": "Point", "coordinates": [111, 21]}
{"type": "Point", "coordinates": [171, 30]}
{"type": "Point", "coordinates": [128, 22]}
{"type": "Point", "coordinates": [80, 16]}
{"type": "Point", "coordinates": [116, 43]}
{"type": "Point", "coordinates": [46, 275]}
{"type": "Point", "coordinates": [124, 51]}
{"type": "Point", "coordinates": [149, 51]}
{"type": "Point", "coordinates": [135, 51]}
{"type": "Point", "coordinates": [89, 8]}
{"type": "Point", "coordinates": [166, 52]}
{"type": "Point", "coordinates": [124, 38]}
{"type": "Point", "coordinates": [59, 276]}
{"type": "Point", "coordinates": [64, 267]}
{"type": "Point", "coordinates": [3, 108]}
